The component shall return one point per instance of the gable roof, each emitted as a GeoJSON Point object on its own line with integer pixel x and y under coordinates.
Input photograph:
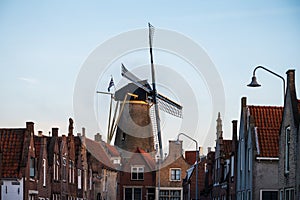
{"type": "Point", "coordinates": [267, 119]}
{"type": "Point", "coordinates": [97, 151]}
{"type": "Point", "coordinates": [11, 147]}
{"type": "Point", "coordinates": [112, 150]}
{"type": "Point", "coordinates": [147, 157]}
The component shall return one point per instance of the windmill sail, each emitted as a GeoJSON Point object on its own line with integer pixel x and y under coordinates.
{"type": "Point", "coordinates": [165, 104]}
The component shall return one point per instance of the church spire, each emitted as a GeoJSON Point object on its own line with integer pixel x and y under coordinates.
{"type": "Point", "coordinates": [219, 126]}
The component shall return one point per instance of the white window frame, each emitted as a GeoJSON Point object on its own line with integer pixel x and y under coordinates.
{"type": "Point", "coordinates": [175, 175]}
{"type": "Point", "coordinates": [138, 169]}
{"type": "Point", "coordinates": [79, 179]}
{"type": "Point", "coordinates": [290, 191]}
{"type": "Point", "coordinates": [132, 192]}
{"type": "Point", "coordinates": [267, 190]}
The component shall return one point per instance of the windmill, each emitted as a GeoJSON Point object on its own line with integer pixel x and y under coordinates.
{"type": "Point", "coordinates": [144, 92]}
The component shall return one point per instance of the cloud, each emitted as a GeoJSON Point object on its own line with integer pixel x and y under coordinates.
{"type": "Point", "coordinates": [28, 80]}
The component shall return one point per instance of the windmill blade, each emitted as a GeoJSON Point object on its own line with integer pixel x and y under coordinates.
{"type": "Point", "coordinates": [135, 80]}
{"type": "Point", "coordinates": [169, 106]}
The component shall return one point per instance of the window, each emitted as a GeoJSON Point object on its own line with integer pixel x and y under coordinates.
{"type": "Point", "coordinates": [169, 194]}
{"type": "Point", "coordinates": [287, 150]}
{"type": "Point", "coordinates": [32, 167]}
{"type": "Point", "coordinates": [71, 171]}
{"type": "Point", "coordinates": [289, 194]}
{"type": "Point", "coordinates": [137, 173]}
{"type": "Point", "coordinates": [232, 166]}
{"type": "Point", "coordinates": [91, 179]}
{"type": "Point", "coordinates": [175, 174]}
{"type": "Point", "coordinates": [44, 172]}
{"type": "Point", "coordinates": [268, 194]}
{"type": "Point", "coordinates": [281, 195]}
{"type": "Point", "coordinates": [64, 172]}
{"type": "Point", "coordinates": [133, 193]}
{"type": "Point", "coordinates": [55, 167]}
{"type": "Point", "coordinates": [79, 178]}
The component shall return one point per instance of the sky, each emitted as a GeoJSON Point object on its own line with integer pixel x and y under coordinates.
{"type": "Point", "coordinates": [46, 44]}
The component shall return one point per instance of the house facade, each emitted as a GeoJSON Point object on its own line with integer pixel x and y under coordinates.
{"type": "Point", "coordinates": [257, 167]}
{"type": "Point", "coordinates": [171, 173]}
{"type": "Point", "coordinates": [289, 144]}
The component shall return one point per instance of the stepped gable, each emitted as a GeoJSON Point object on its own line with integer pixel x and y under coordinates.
{"type": "Point", "coordinates": [267, 119]}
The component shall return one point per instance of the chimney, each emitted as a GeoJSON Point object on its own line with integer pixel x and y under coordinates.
{"type": "Point", "coordinates": [40, 133]}
{"type": "Point", "coordinates": [175, 148]}
{"type": "Point", "coordinates": [291, 79]}
{"type": "Point", "coordinates": [200, 151]}
{"type": "Point", "coordinates": [54, 132]}
{"type": "Point", "coordinates": [83, 132]}
{"type": "Point", "coordinates": [30, 127]}
{"type": "Point", "coordinates": [98, 137]}
{"type": "Point", "coordinates": [71, 126]}
{"type": "Point", "coordinates": [208, 149]}
{"type": "Point", "coordinates": [244, 102]}
{"type": "Point", "coordinates": [234, 135]}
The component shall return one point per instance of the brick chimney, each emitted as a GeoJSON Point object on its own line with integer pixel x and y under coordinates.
{"type": "Point", "coordinates": [175, 148]}
{"type": "Point", "coordinates": [234, 135]}
{"type": "Point", "coordinates": [208, 149]}
{"type": "Point", "coordinates": [30, 127]}
{"type": "Point", "coordinates": [54, 132]}
{"type": "Point", "coordinates": [40, 133]}
{"type": "Point", "coordinates": [98, 137]}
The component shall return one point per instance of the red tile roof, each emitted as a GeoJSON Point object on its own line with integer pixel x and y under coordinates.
{"type": "Point", "coordinates": [96, 149]}
{"type": "Point", "coordinates": [11, 146]}
{"type": "Point", "coordinates": [112, 150]}
{"type": "Point", "coordinates": [147, 157]}
{"type": "Point", "coordinates": [267, 120]}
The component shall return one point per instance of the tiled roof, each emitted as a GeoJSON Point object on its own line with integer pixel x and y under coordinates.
{"type": "Point", "coordinates": [112, 150]}
{"type": "Point", "coordinates": [11, 146]}
{"type": "Point", "coordinates": [98, 152]}
{"type": "Point", "coordinates": [147, 157]}
{"type": "Point", "coordinates": [267, 120]}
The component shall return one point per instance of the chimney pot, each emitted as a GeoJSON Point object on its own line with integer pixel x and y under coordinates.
{"type": "Point", "coordinates": [40, 133]}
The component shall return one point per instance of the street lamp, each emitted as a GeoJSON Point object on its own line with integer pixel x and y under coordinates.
{"type": "Point", "coordinates": [197, 158]}
{"type": "Point", "coordinates": [254, 82]}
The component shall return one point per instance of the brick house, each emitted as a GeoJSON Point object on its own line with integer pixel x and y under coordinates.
{"type": "Point", "coordinates": [102, 173]}
{"type": "Point", "coordinates": [189, 181]}
{"type": "Point", "coordinates": [171, 173]}
{"type": "Point", "coordinates": [257, 167]}
{"type": "Point", "coordinates": [224, 166]}
{"type": "Point", "coordinates": [137, 176]}
{"type": "Point", "coordinates": [289, 143]}
{"type": "Point", "coordinates": [43, 168]}
{"type": "Point", "coordinates": [18, 163]}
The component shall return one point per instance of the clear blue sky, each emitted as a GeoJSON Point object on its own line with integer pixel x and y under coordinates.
{"type": "Point", "coordinates": [45, 43]}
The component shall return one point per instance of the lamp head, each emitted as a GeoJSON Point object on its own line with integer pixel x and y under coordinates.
{"type": "Point", "coordinates": [254, 82]}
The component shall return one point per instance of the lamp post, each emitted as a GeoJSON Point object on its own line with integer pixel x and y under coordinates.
{"type": "Point", "coordinates": [197, 158]}
{"type": "Point", "coordinates": [254, 82]}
